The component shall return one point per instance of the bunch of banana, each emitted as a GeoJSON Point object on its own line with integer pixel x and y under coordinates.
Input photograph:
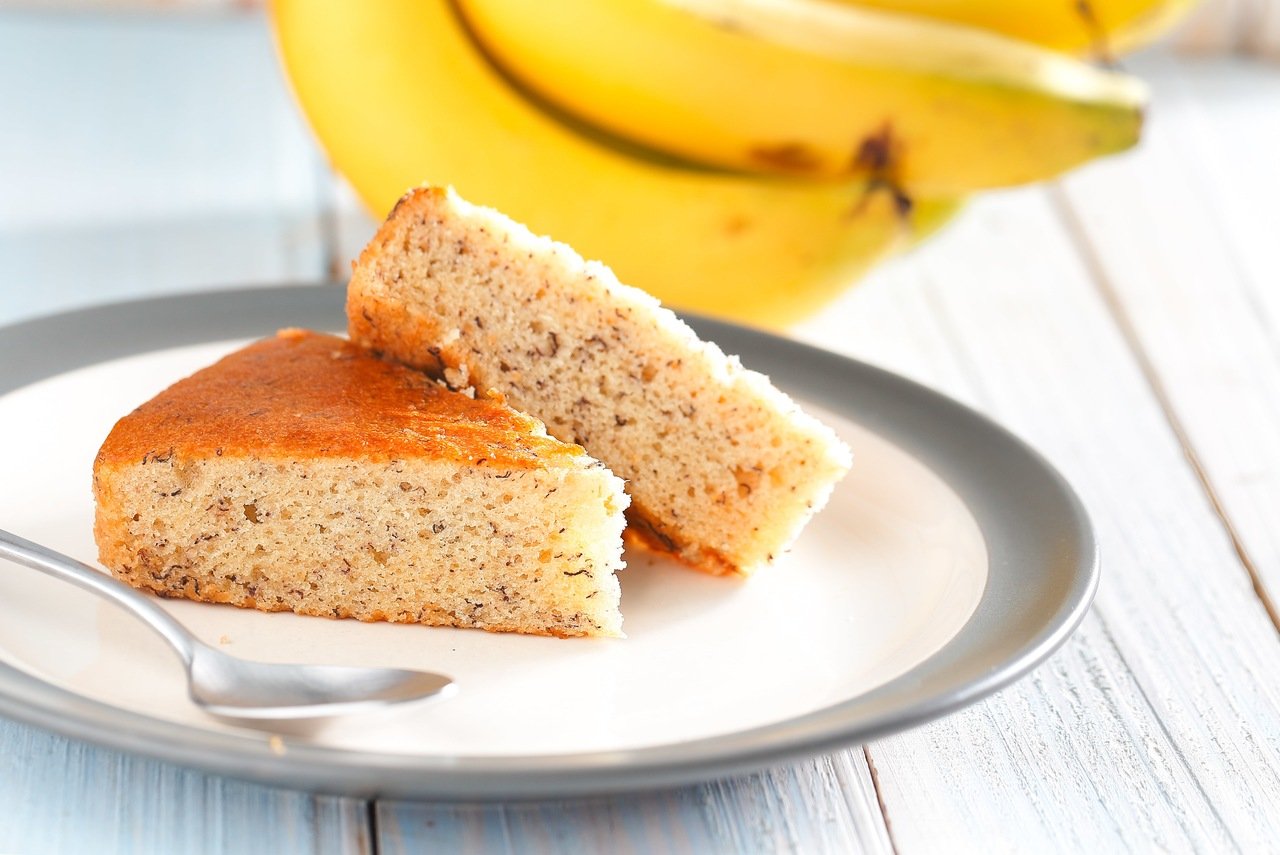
{"type": "Point", "coordinates": [744, 157]}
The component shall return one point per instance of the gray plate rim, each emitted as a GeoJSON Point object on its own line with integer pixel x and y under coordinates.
{"type": "Point", "coordinates": [1043, 572]}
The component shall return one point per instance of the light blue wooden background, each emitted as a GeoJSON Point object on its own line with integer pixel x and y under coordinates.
{"type": "Point", "coordinates": [1123, 320]}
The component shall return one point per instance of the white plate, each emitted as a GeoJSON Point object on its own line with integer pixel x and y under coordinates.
{"type": "Point", "coordinates": [879, 588]}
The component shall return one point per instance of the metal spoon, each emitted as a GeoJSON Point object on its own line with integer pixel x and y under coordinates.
{"type": "Point", "coordinates": [232, 688]}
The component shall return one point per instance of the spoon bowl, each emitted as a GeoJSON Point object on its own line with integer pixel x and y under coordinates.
{"type": "Point", "coordinates": [230, 687]}
{"type": "Point", "coordinates": [245, 692]}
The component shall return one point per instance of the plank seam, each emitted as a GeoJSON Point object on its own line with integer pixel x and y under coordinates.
{"type": "Point", "coordinates": [371, 819]}
{"type": "Point", "coordinates": [1075, 231]}
{"type": "Point", "coordinates": [884, 810]}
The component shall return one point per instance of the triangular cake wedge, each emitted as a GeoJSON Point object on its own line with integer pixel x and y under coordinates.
{"type": "Point", "coordinates": [722, 468]}
{"type": "Point", "coordinates": [303, 473]}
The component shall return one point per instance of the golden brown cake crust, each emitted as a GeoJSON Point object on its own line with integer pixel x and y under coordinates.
{"type": "Point", "coordinates": [327, 398]}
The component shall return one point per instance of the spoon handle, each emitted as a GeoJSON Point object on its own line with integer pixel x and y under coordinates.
{"type": "Point", "coordinates": [82, 575]}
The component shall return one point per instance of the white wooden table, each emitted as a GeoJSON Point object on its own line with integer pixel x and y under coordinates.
{"type": "Point", "coordinates": [1126, 321]}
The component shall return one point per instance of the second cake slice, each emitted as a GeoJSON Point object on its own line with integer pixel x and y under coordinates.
{"type": "Point", "coordinates": [723, 469]}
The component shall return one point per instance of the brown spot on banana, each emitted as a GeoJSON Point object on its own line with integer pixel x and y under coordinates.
{"type": "Point", "coordinates": [902, 201]}
{"type": "Point", "coordinates": [879, 154]}
{"type": "Point", "coordinates": [879, 158]}
{"type": "Point", "coordinates": [787, 157]}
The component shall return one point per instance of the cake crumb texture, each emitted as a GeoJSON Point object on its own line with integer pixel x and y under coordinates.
{"type": "Point", "coordinates": [723, 469]}
{"type": "Point", "coordinates": [304, 474]}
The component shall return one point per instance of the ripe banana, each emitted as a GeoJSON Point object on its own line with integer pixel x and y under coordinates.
{"type": "Point", "coordinates": [814, 88]}
{"type": "Point", "coordinates": [399, 94]}
{"type": "Point", "coordinates": [1100, 28]}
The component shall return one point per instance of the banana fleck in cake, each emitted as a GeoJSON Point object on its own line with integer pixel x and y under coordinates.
{"type": "Point", "coordinates": [722, 468]}
{"type": "Point", "coordinates": [303, 473]}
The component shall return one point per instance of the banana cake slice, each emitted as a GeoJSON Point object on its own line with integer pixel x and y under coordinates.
{"type": "Point", "coordinates": [303, 473]}
{"type": "Point", "coordinates": [722, 468]}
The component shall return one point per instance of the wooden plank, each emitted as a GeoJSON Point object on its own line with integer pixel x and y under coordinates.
{"type": "Point", "coordinates": [1214, 27]}
{"type": "Point", "coordinates": [140, 155]}
{"type": "Point", "coordinates": [57, 795]}
{"type": "Point", "coordinates": [1231, 26]}
{"type": "Point", "coordinates": [149, 153]}
{"type": "Point", "coordinates": [1158, 726]}
{"type": "Point", "coordinates": [1183, 239]}
{"type": "Point", "coordinates": [54, 271]}
{"type": "Point", "coordinates": [827, 805]}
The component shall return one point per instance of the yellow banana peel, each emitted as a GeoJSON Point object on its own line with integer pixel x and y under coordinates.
{"type": "Point", "coordinates": [813, 88]}
{"type": "Point", "coordinates": [1100, 28]}
{"type": "Point", "coordinates": [399, 94]}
